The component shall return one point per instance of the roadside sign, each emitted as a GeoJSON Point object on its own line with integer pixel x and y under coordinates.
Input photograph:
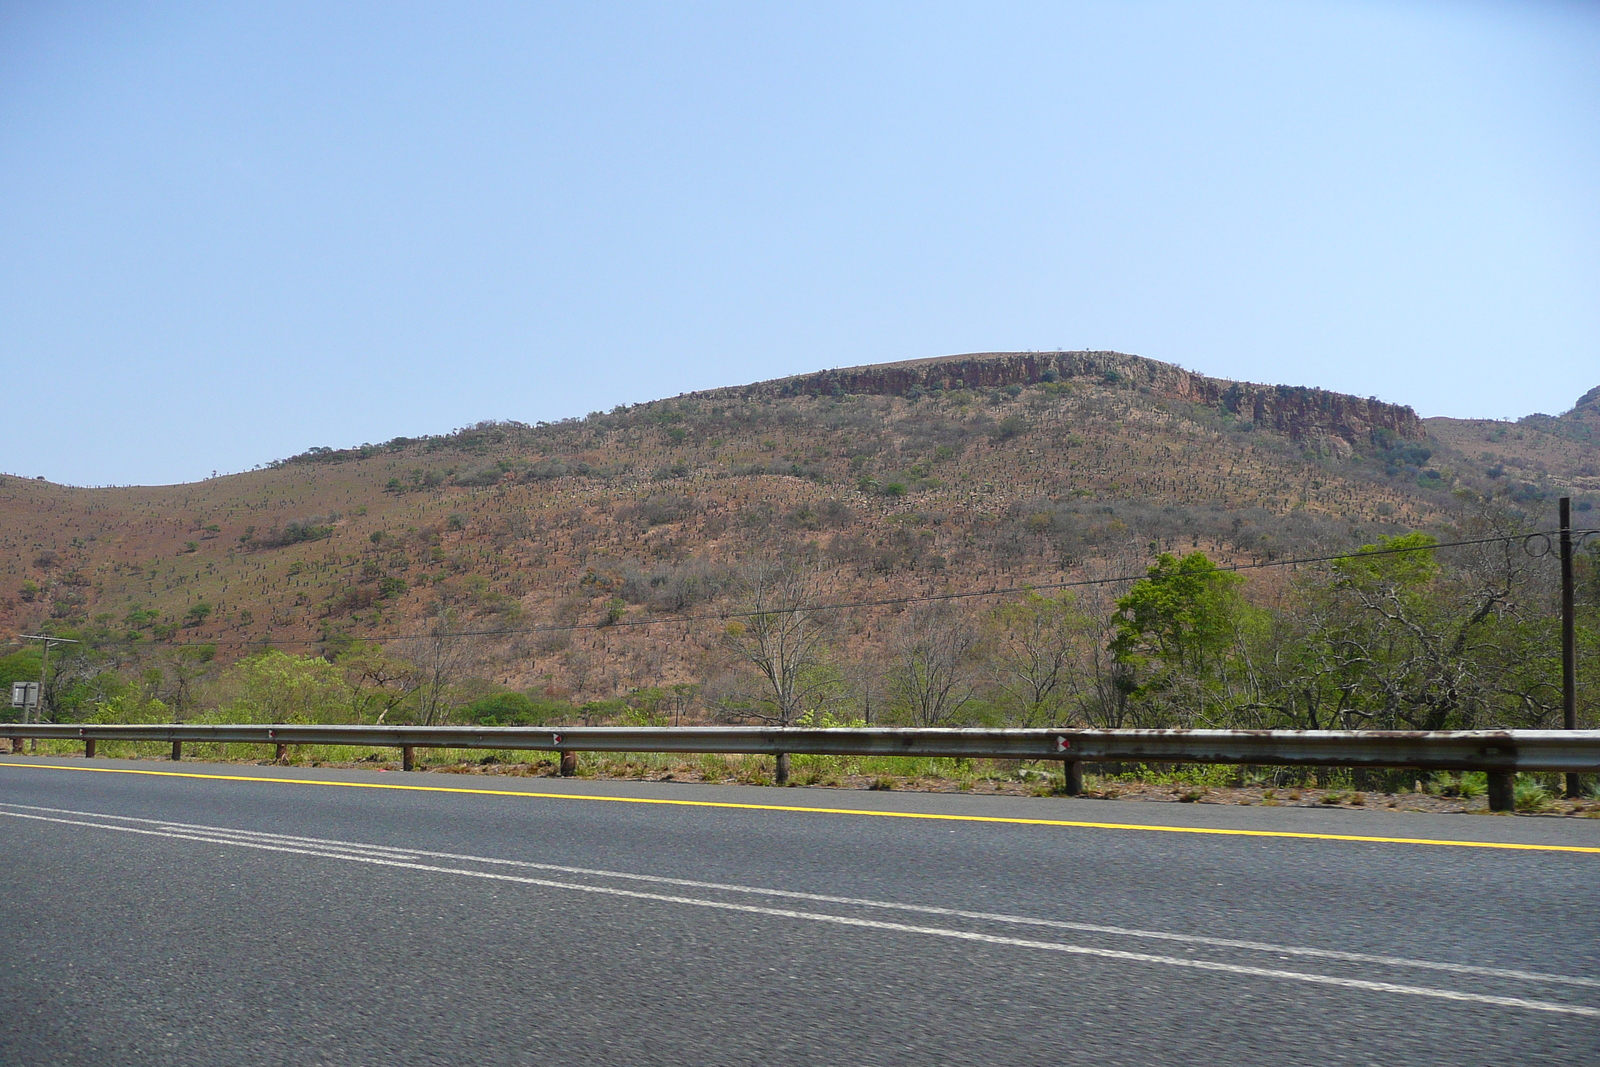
{"type": "Point", "coordinates": [25, 694]}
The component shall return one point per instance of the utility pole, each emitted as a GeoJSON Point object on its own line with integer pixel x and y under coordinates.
{"type": "Point", "coordinates": [44, 676]}
{"type": "Point", "coordinates": [1569, 643]}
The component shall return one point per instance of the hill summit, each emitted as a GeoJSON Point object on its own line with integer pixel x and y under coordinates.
{"type": "Point", "coordinates": [1300, 413]}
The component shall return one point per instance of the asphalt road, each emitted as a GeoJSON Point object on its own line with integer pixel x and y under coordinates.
{"type": "Point", "coordinates": [244, 915]}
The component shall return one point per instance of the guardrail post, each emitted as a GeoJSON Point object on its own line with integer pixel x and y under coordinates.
{"type": "Point", "coordinates": [88, 748]}
{"type": "Point", "coordinates": [569, 764]}
{"type": "Point", "coordinates": [177, 750]}
{"type": "Point", "coordinates": [1072, 772]}
{"type": "Point", "coordinates": [282, 754]}
{"type": "Point", "coordinates": [782, 772]}
{"type": "Point", "coordinates": [1502, 794]}
{"type": "Point", "coordinates": [408, 757]}
{"type": "Point", "coordinates": [16, 746]}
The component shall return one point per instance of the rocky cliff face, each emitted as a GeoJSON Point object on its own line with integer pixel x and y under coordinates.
{"type": "Point", "coordinates": [1314, 416]}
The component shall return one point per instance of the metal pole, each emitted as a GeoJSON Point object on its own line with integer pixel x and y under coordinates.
{"type": "Point", "coordinates": [1569, 644]}
{"type": "Point", "coordinates": [39, 705]}
{"type": "Point", "coordinates": [44, 682]}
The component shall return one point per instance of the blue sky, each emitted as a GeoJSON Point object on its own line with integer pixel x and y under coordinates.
{"type": "Point", "coordinates": [229, 232]}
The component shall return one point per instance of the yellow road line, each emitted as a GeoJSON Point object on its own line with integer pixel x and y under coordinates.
{"type": "Point", "coordinates": [826, 811]}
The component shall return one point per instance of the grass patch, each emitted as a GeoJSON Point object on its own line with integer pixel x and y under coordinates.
{"type": "Point", "coordinates": [1528, 795]}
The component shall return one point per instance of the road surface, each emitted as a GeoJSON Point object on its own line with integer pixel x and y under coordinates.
{"type": "Point", "coordinates": [159, 913]}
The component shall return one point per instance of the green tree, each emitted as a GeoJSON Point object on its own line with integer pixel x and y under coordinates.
{"type": "Point", "coordinates": [377, 681]}
{"type": "Point", "coordinates": [1428, 647]}
{"type": "Point", "coordinates": [1405, 562]}
{"type": "Point", "coordinates": [1183, 614]}
{"type": "Point", "coordinates": [1176, 644]}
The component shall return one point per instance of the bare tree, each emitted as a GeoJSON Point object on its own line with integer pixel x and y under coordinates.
{"type": "Point", "coordinates": [932, 678]}
{"type": "Point", "coordinates": [1039, 646]}
{"type": "Point", "coordinates": [1105, 701]}
{"type": "Point", "coordinates": [178, 676]}
{"type": "Point", "coordinates": [782, 635]}
{"type": "Point", "coordinates": [440, 658]}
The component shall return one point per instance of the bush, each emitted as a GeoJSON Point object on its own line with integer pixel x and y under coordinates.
{"type": "Point", "coordinates": [356, 598]}
{"type": "Point", "coordinates": [515, 709]}
{"type": "Point", "coordinates": [659, 509]}
{"type": "Point", "coordinates": [1009, 427]}
{"type": "Point", "coordinates": [278, 687]}
{"type": "Point", "coordinates": [554, 467]}
{"type": "Point", "coordinates": [479, 478]}
{"type": "Point", "coordinates": [315, 528]}
{"type": "Point", "coordinates": [130, 706]}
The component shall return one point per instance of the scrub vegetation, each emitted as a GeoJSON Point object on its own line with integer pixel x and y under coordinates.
{"type": "Point", "coordinates": [684, 561]}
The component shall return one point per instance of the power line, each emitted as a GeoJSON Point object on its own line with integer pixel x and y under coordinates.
{"type": "Point", "coordinates": [931, 597]}
{"type": "Point", "coordinates": [899, 601]}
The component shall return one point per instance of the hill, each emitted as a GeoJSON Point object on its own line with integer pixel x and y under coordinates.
{"type": "Point", "coordinates": [1535, 456]}
{"type": "Point", "coordinates": [929, 476]}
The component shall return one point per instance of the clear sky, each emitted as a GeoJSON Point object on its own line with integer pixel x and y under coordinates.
{"type": "Point", "coordinates": [231, 231]}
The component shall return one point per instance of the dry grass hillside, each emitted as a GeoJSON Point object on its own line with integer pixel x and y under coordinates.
{"type": "Point", "coordinates": [1536, 455]}
{"type": "Point", "coordinates": [956, 474]}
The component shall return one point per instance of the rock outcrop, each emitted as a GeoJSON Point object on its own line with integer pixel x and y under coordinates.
{"type": "Point", "coordinates": [1313, 416]}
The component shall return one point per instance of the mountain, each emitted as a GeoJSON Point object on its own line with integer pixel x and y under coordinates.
{"type": "Point", "coordinates": [960, 473]}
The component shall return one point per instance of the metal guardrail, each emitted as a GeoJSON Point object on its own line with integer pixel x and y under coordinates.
{"type": "Point", "coordinates": [1500, 753]}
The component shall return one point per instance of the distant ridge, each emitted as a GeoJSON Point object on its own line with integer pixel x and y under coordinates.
{"type": "Point", "coordinates": [1581, 423]}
